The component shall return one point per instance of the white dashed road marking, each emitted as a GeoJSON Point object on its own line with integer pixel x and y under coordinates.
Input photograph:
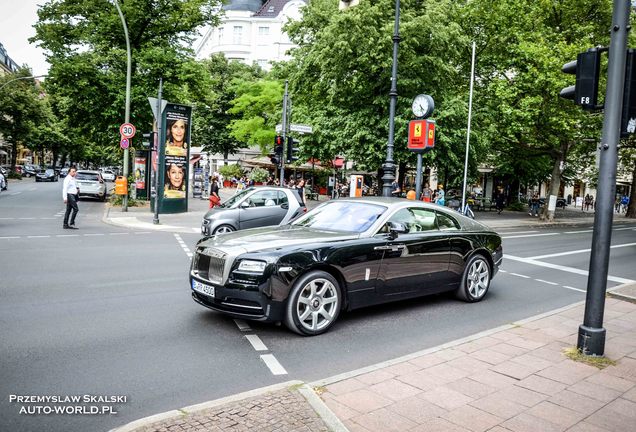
{"type": "Point", "coordinates": [520, 275]}
{"type": "Point", "coordinates": [572, 288]}
{"type": "Point", "coordinates": [242, 325]}
{"type": "Point", "coordinates": [183, 245]}
{"type": "Point", "coordinates": [546, 282]}
{"type": "Point", "coordinates": [529, 235]}
{"type": "Point", "coordinates": [577, 251]}
{"type": "Point", "coordinates": [256, 342]}
{"type": "Point", "coordinates": [274, 366]}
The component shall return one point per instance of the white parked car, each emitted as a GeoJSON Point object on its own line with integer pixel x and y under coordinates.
{"type": "Point", "coordinates": [108, 175]}
{"type": "Point", "coordinates": [91, 184]}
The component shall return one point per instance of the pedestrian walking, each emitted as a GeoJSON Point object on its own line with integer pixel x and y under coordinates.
{"type": "Point", "coordinates": [534, 205]}
{"type": "Point", "coordinates": [70, 196]}
{"type": "Point", "coordinates": [500, 200]}
{"type": "Point", "coordinates": [396, 190]}
{"type": "Point", "coordinates": [439, 196]}
{"type": "Point", "coordinates": [215, 199]}
{"type": "Point", "coordinates": [300, 188]}
{"type": "Point", "coordinates": [427, 193]}
{"type": "Point", "coordinates": [624, 203]}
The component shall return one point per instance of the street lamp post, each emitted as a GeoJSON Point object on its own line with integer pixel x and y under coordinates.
{"type": "Point", "coordinates": [124, 205]}
{"type": "Point", "coordinates": [389, 167]}
{"type": "Point", "coordinates": [21, 78]}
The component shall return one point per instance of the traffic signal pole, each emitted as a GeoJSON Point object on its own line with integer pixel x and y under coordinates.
{"type": "Point", "coordinates": [284, 123]}
{"type": "Point", "coordinates": [591, 337]}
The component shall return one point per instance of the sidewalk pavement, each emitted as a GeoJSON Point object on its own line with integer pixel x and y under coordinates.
{"type": "Point", "coordinates": [512, 378]}
{"type": "Point", "coordinates": [190, 221]}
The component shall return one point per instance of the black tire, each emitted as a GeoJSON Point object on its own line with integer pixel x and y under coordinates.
{"type": "Point", "coordinates": [313, 304]}
{"type": "Point", "coordinates": [475, 280]}
{"type": "Point", "coordinates": [222, 229]}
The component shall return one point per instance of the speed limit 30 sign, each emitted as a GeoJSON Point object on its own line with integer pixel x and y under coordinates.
{"type": "Point", "coordinates": [127, 130]}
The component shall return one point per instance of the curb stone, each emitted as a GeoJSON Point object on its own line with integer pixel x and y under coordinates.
{"type": "Point", "coordinates": [321, 409]}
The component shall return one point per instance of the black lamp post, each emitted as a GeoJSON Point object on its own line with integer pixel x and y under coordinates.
{"type": "Point", "coordinates": [389, 166]}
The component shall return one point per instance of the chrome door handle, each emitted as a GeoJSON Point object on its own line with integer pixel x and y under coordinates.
{"type": "Point", "coordinates": [391, 247]}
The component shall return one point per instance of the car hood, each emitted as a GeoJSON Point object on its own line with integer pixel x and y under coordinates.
{"type": "Point", "coordinates": [274, 237]}
{"type": "Point", "coordinates": [216, 212]}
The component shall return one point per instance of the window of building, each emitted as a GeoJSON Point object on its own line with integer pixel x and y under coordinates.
{"type": "Point", "coordinates": [220, 35]}
{"type": "Point", "coordinates": [238, 35]}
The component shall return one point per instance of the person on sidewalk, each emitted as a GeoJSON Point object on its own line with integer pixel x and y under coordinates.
{"type": "Point", "coordinates": [70, 196]}
{"type": "Point", "coordinates": [439, 196]}
{"type": "Point", "coordinates": [215, 199]}
{"type": "Point", "coordinates": [427, 193]}
{"type": "Point", "coordinates": [534, 205]}
{"type": "Point", "coordinates": [500, 200]}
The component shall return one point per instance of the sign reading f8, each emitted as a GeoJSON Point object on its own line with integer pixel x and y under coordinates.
{"type": "Point", "coordinates": [127, 130]}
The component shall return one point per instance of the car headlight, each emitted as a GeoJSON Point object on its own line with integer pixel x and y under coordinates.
{"type": "Point", "coordinates": [252, 266]}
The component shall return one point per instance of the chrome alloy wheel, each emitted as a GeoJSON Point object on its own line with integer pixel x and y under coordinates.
{"type": "Point", "coordinates": [223, 229]}
{"type": "Point", "coordinates": [478, 278]}
{"type": "Point", "coordinates": [317, 304]}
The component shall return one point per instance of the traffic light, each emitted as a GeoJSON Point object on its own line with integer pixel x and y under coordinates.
{"type": "Point", "coordinates": [628, 117]}
{"type": "Point", "coordinates": [586, 67]}
{"type": "Point", "coordinates": [279, 145]}
{"type": "Point", "coordinates": [274, 159]}
{"type": "Point", "coordinates": [148, 140]}
{"type": "Point", "coordinates": [291, 149]}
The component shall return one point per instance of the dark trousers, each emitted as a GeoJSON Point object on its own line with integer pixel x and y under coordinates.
{"type": "Point", "coordinates": [71, 204]}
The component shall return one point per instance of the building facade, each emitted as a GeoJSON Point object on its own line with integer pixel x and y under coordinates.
{"type": "Point", "coordinates": [251, 31]}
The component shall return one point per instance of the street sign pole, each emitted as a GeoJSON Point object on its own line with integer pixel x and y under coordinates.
{"type": "Point", "coordinates": [124, 205]}
{"type": "Point", "coordinates": [591, 338]}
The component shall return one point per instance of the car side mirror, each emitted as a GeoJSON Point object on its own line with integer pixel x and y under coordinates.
{"type": "Point", "coordinates": [396, 228]}
{"type": "Point", "coordinates": [245, 204]}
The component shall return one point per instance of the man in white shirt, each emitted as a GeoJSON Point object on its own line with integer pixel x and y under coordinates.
{"type": "Point", "coordinates": [70, 195]}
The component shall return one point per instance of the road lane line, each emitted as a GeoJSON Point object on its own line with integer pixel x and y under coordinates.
{"type": "Point", "coordinates": [118, 233]}
{"type": "Point", "coordinates": [572, 288]}
{"type": "Point", "coordinates": [530, 235]}
{"type": "Point", "coordinates": [242, 325]}
{"type": "Point", "coordinates": [142, 232]}
{"type": "Point", "coordinates": [256, 342]}
{"type": "Point", "coordinates": [578, 232]}
{"type": "Point", "coordinates": [520, 275]}
{"type": "Point", "coordinates": [67, 235]}
{"type": "Point", "coordinates": [15, 193]}
{"type": "Point", "coordinates": [623, 229]}
{"type": "Point", "coordinates": [565, 269]}
{"type": "Point", "coordinates": [538, 257]}
{"type": "Point", "coordinates": [547, 282]}
{"type": "Point", "coordinates": [274, 366]}
{"type": "Point", "coordinates": [10, 237]}
{"type": "Point", "coordinates": [183, 245]}
{"type": "Point", "coordinates": [95, 234]}
{"type": "Point", "coordinates": [39, 236]}
{"type": "Point", "coordinates": [29, 218]}
{"type": "Point", "coordinates": [520, 232]}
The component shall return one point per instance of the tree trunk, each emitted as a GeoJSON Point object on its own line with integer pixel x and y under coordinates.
{"type": "Point", "coordinates": [555, 182]}
{"type": "Point", "coordinates": [631, 209]}
{"type": "Point", "coordinates": [14, 155]}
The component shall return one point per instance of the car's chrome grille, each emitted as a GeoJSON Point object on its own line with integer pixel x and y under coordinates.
{"type": "Point", "coordinates": [210, 264]}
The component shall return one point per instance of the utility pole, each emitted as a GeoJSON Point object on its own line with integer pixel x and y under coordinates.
{"type": "Point", "coordinates": [284, 123]}
{"type": "Point", "coordinates": [591, 338]}
{"type": "Point", "coordinates": [158, 147]}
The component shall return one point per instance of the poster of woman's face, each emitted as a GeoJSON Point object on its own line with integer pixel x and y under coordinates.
{"type": "Point", "coordinates": [175, 180]}
{"type": "Point", "coordinates": [176, 139]}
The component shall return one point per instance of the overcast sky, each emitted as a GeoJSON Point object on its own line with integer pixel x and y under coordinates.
{"type": "Point", "coordinates": [16, 27]}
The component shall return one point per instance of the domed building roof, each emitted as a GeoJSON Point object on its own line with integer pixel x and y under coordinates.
{"type": "Point", "coordinates": [246, 5]}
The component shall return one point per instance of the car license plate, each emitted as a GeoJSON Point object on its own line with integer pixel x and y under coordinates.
{"type": "Point", "coordinates": [203, 288]}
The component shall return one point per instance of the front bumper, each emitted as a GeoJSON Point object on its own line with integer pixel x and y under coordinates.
{"type": "Point", "coordinates": [240, 301]}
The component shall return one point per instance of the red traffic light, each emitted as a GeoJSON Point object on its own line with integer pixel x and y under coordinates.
{"type": "Point", "coordinates": [279, 140]}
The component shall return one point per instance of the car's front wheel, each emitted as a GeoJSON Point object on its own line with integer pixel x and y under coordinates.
{"type": "Point", "coordinates": [475, 280]}
{"type": "Point", "coordinates": [313, 304]}
{"type": "Point", "coordinates": [222, 229]}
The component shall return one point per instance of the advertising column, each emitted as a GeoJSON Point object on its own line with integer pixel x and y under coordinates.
{"type": "Point", "coordinates": [174, 187]}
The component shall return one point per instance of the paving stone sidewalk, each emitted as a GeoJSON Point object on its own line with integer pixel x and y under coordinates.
{"type": "Point", "coordinates": [511, 378]}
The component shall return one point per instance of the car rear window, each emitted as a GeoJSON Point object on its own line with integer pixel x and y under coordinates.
{"type": "Point", "coordinates": [87, 176]}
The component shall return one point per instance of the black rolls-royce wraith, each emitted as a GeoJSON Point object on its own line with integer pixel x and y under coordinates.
{"type": "Point", "coordinates": [344, 254]}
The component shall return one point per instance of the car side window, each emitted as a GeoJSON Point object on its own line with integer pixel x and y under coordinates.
{"type": "Point", "coordinates": [446, 223]}
{"type": "Point", "coordinates": [282, 198]}
{"type": "Point", "coordinates": [263, 198]}
{"type": "Point", "coordinates": [415, 219]}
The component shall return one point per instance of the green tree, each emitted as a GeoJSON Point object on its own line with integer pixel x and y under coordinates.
{"type": "Point", "coordinates": [23, 109]}
{"type": "Point", "coordinates": [340, 78]}
{"type": "Point", "coordinates": [85, 45]}
{"type": "Point", "coordinates": [212, 117]}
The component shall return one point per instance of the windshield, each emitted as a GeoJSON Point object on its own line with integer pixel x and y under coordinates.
{"type": "Point", "coordinates": [236, 198]}
{"type": "Point", "coordinates": [342, 216]}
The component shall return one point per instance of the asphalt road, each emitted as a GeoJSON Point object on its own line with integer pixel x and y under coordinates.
{"type": "Point", "coordinates": [107, 311]}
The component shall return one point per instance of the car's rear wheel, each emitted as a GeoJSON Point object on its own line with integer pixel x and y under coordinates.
{"type": "Point", "coordinates": [313, 304]}
{"type": "Point", "coordinates": [222, 229]}
{"type": "Point", "coordinates": [475, 280]}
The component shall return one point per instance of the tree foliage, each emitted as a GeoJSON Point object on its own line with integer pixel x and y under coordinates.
{"type": "Point", "coordinates": [85, 45]}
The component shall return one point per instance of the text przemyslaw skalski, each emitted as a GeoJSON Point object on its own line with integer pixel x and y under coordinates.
{"type": "Point", "coordinates": [63, 399]}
